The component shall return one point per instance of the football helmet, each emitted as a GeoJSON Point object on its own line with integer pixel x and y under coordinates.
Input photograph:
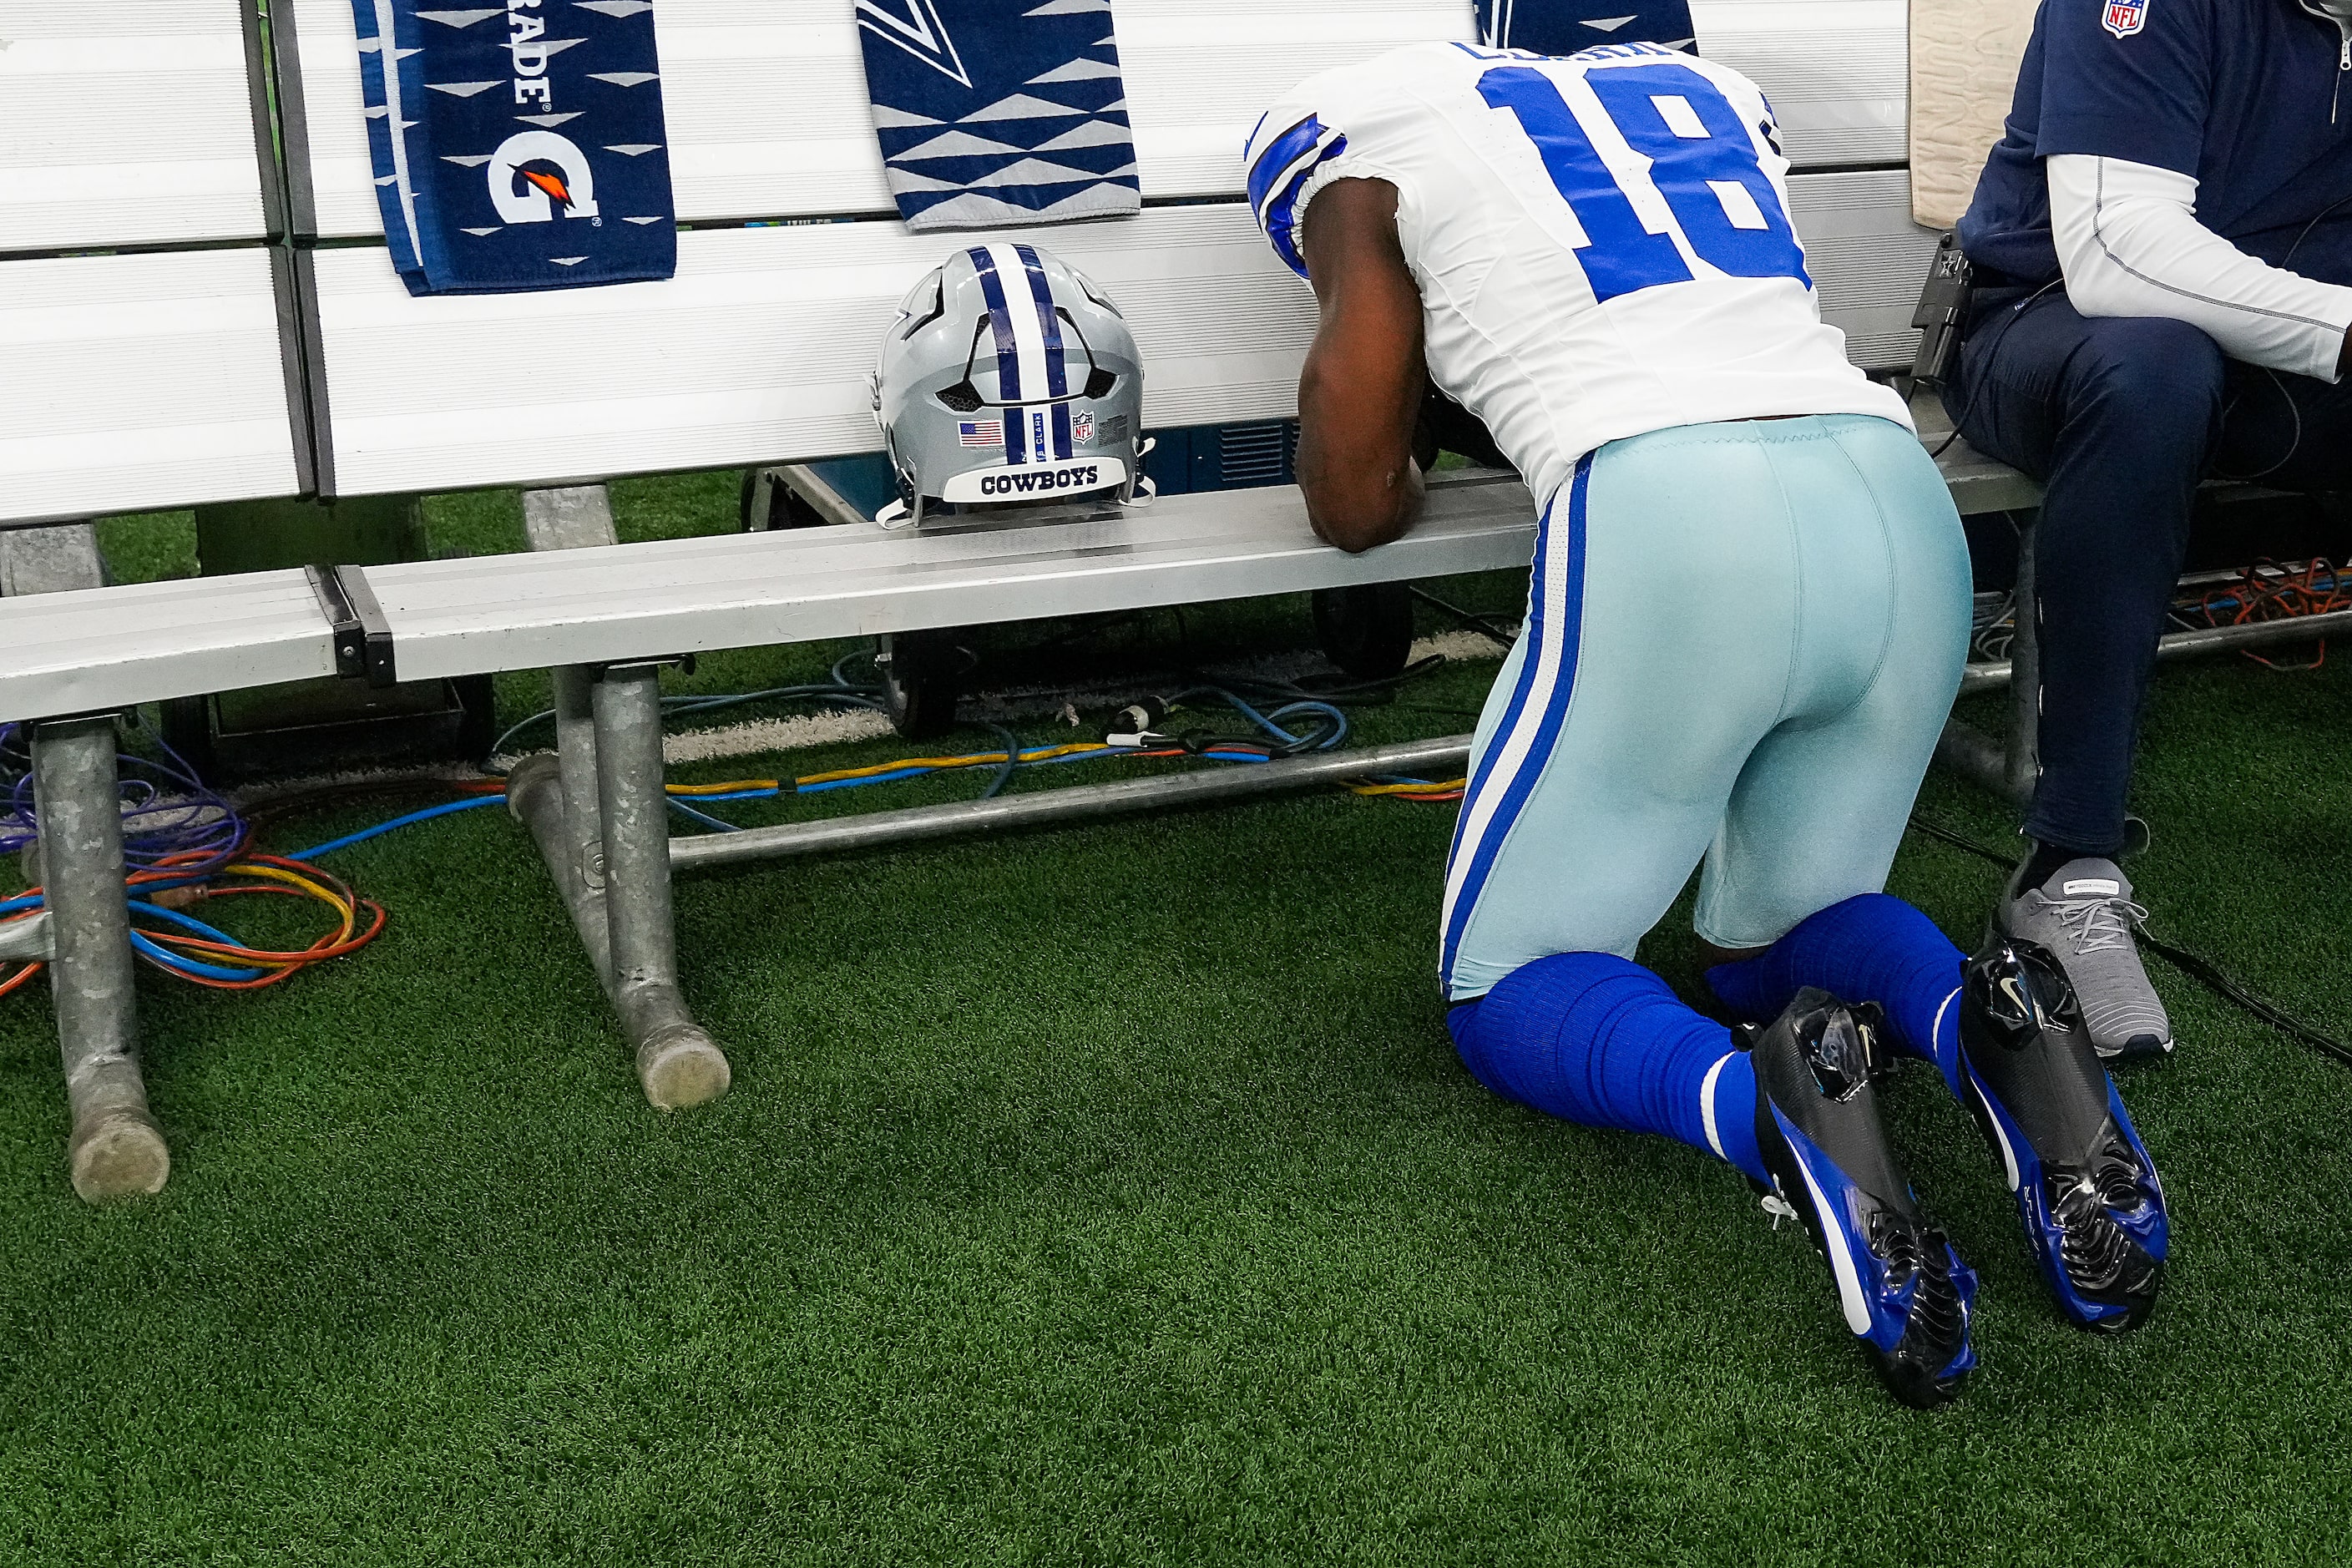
{"type": "Point", "coordinates": [1009, 377]}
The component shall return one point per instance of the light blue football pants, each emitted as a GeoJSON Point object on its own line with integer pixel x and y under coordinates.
{"type": "Point", "coordinates": [1742, 640]}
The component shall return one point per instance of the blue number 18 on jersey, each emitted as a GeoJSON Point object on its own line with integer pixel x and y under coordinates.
{"type": "Point", "coordinates": [1701, 160]}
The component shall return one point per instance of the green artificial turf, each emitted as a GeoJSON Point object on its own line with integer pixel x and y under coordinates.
{"type": "Point", "coordinates": [1113, 1196]}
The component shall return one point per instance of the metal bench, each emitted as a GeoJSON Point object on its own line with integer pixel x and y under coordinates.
{"type": "Point", "coordinates": [757, 352]}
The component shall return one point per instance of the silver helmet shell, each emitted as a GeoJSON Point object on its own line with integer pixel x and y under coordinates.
{"type": "Point", "coordinates": [1009, 377]}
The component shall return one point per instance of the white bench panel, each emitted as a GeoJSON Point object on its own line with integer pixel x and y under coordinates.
{"type": "Point", "coordinates": [1201, 72]}
{"type": "Point", "coordinates": [125, 122]}
{"type": "Point", "coordinates": [759, 351]}
{"type": "Point", "coordinates": [1837, 72]}
{"type": "Point", "coordinates": [131, 382]}
{"type": "Point", "coordinates": [1867, 258]}
{"type": "Point", "coordinates": [768, 116]}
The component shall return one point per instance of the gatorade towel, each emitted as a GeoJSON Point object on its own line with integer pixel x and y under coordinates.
{"type": "Point", "coordinates": [999, 111]}
{"type": "Point", "coordinates": [519, 145]}
{"type": "Point", "coordinates": [1565, 26]}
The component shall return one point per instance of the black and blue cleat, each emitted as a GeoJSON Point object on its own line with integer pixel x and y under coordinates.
{"type": "Point", "coordinates": [2086, 1190]}
{"type": "Point", "coordinates": [1904, 1292]}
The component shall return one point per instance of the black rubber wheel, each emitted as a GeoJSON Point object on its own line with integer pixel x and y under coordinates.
{"type": "Point", "coordinates": [920, 674]}
{"type": "Point", "coordinates": [1366, 631]}
{"type": "Point", "coordinates": [187, 729]}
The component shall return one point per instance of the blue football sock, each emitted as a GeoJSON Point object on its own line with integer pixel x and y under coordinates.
{"type": "Point", "coordinates": [1599, 1040]}
{"type": "Point", "coordinates": [1871, 948]}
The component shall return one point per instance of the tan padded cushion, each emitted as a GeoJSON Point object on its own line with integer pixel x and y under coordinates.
{"type": "Point", "coordinates": [1964, 59]}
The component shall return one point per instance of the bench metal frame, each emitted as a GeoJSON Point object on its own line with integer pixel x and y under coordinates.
{"type": "Point", "coordinates": [606, 620]}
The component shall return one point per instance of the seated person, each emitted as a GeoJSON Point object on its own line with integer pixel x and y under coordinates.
{"type": "Point", "coordinates": [2161, 241]}
{"type": "Point", "coordinates": [1595, 256]}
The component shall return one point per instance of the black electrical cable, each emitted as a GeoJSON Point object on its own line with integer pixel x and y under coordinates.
{"type": "Point", "coordinates": [1475, 622]}
{"type": "Point", "coordinates": [1993, 350]}
{"type": "Point", "coordinates": [2192, 964]}
{"type": "Point", "coordinates": [1323, 692]}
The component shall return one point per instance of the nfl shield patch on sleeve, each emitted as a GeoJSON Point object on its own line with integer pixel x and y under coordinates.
{"type": "Point", "coordinates": [2125, 17]}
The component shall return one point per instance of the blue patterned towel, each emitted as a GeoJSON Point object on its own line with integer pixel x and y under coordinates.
{"type": "Point", "coordinates": [1564, 27]}
{"type": "Point", "coordinates": [997, 111]}
{"type": "Point", "coordinates": [517, 146]}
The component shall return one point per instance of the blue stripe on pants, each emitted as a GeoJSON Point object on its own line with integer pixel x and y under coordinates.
{"type": "Point", "coordinates": [1522, 743]}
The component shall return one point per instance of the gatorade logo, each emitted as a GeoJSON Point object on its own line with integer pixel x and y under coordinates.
{"type": "Point", "coordinates": [525, 193]}
{"type": "Point", "coordinates": [1017, 482]}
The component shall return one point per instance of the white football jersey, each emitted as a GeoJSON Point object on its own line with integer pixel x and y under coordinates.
{"type": "Point", "coordinates": [1602, 242]}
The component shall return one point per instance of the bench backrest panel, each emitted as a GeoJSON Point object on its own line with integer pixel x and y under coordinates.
{"type": "Point", "coordinates": [767, 110]}
{"type": "Point", "coordinates": [127, 123]}
{"type": "Point", "coordinates": [1836, 72]}
{"type": "Point", "coordinates": [128, 383]}
{"type": "Point", "coordinates": [1867, 258]}
{"type": "Point", "coordinates": [768, 119]}
{"type": "Point", "coordinates": [761, 349]}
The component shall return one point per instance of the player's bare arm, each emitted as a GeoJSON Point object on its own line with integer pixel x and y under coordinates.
{"type": "Point", "coordinates": [1361, 387]}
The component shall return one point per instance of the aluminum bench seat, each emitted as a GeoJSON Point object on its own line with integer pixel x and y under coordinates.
{"type": "Point", "coordinates": [103, 649]}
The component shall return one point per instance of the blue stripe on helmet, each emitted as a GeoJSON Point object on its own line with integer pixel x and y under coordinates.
{"type": "Point", "coordinates": [1008, 352]}
{"type": "Point", "coordinates": [1041, 290]}
{"type": "Point", "coordinates": [1062, 431]}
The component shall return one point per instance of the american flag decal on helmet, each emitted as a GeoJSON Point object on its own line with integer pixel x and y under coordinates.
{"type": "Point", "coordinates": [980, 432]}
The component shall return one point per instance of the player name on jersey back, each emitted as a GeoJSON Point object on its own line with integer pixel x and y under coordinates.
{"type": "Point", "coordinates": [1603, 241]}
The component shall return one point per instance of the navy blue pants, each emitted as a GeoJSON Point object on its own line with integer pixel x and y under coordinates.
{"type": "Point", "coordinates": [2120, 417]}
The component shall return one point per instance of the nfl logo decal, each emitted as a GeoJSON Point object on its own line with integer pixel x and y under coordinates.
{"type": "Point", "coordinates": [980, 432]}
{"type": "Point", "coordinates": [1082, 427]}
{"type": "Point", "coordinates": [2125, 17]}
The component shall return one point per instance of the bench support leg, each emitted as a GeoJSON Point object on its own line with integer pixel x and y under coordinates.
{"type": "Point", "coordinates": [599, 814]}
{"type": "Point", "coordinates": [2008, 769]}
{"type": "Point", "coordinates": [541, 792]}
{"type": "Point", "coordinates": [676, 1061]}
{"type": "Point", "coordinates": [117, 1150]}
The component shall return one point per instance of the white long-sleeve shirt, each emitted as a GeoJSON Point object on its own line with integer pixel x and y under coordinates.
{"type": "Point", "coordinates": [2130, 243]}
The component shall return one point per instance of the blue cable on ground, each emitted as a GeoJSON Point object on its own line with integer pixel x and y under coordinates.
{"type": "Point", "coordinates": [381, 828]}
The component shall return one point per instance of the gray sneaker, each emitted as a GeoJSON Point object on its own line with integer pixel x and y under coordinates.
{"type": "Point", "coordinates": [2084, 915]}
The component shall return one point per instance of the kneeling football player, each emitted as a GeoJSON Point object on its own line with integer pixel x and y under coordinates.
{"type": "Point", "coordinates": [1747, 621]}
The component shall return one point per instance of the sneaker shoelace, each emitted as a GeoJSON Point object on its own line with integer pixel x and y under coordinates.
{"type": "Point", "coordinates": [2094, 924]}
